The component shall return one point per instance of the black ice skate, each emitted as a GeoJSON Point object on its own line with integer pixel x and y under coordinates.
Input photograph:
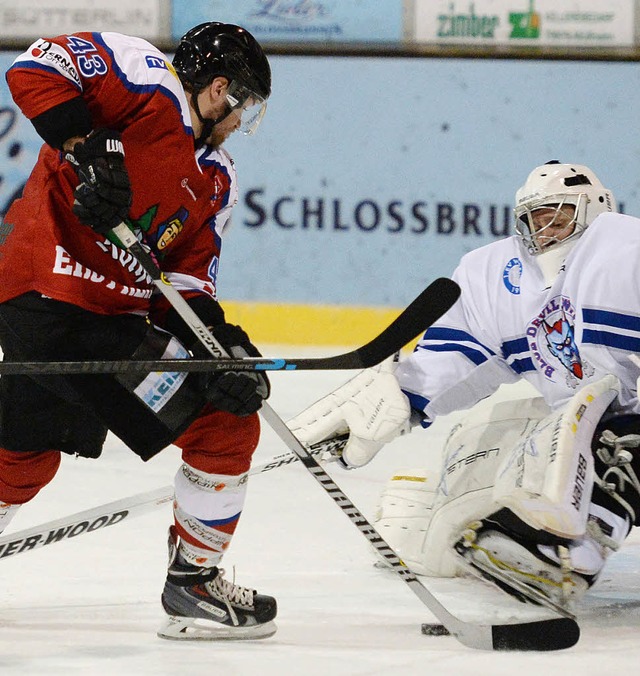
{"type": "Point", "coordinates": [202, 605]}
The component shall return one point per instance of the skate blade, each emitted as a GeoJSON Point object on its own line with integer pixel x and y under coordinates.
{"type": "Point", "coordinates": [193, 629]}
{"type": "Point", "coordinates": [531, 593]}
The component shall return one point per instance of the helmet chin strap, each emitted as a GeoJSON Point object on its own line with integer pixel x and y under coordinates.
{"type": "Point", "coordinates": [207, 123]}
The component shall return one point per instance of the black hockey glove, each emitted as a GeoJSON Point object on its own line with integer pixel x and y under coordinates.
{"type": "Point", "coordinates": [103, 198]}
{"type": "Point", "coordinates": [237, 392]}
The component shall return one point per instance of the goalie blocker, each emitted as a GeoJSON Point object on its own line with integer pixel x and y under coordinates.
{"type": "Point", "coordinates": [530, 499]}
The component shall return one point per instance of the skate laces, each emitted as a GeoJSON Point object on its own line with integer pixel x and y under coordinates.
{"type": "Point", "coordinates": [230, 593]}
{"type": "Point", "coordinates": [620, 473]}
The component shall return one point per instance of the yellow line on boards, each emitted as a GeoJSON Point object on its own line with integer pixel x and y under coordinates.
{"type": "Point", "coordinates": [288, 324]}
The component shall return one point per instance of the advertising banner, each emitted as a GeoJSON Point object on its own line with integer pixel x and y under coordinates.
{"type": "Point", "coordinates": [584, 23]}
{"type": "Point", "coordinates": [45, 18]}
{"type": "Point", "coordinates": [298, 20]}
{"type": "Point", "coordinates": [368, 178]}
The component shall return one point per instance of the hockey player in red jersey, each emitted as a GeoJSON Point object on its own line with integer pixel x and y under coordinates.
{"type": "Point", "coordinates": [131, 137]}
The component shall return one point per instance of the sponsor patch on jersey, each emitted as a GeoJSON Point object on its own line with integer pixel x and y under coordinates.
{"type": "Point", "coordinates": [156, 62]}
{"type": "Point", "coordinates": [511, 276]}
{"type": "Point", "coordinates": [157, 388]}
{"type": "Point", "coordinates": [56, 57]}
{"type": "Point", "coordinates": [169, 230]}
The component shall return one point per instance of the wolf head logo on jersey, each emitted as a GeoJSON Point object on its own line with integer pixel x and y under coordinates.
{"type": "Point", "coordinates": [562, 345]}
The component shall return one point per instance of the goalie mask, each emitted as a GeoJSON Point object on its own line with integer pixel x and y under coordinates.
{"type": "Point", "coordinates": [215, 49]}
{"type": "Point", "coordinates": [556, 205]}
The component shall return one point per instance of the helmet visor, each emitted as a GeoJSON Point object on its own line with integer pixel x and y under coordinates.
{"type": "Point", "coordinates": [250, 105]}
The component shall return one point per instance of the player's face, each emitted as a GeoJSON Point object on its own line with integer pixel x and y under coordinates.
{"type": "Point", "coordinates": [224, 129]}
{"type": "Point", "coordinates": [553, 224]}
{"type": "Point", "coordinates": [212, 102]}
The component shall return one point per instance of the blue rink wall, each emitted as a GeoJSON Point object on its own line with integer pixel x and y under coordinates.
{"type": "Point", "coordinates": [369, 177]}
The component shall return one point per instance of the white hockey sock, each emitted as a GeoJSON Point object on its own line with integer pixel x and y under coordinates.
{"type": "Point", "coordinates": [207, 508]}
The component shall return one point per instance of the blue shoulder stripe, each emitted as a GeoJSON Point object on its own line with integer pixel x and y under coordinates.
{"type": "Point", "coordinates": [442, 333]}
{"type": "Point", "coordinates": [615, 340]}
{"type": "Point", "coordinates": [611, 319]}
{"type": "Point", "coordinates": [139, 88]}
{"type": "Point", "coordinates": [522, 365]}
{"type": "Point", "coordinates": [515, 346]}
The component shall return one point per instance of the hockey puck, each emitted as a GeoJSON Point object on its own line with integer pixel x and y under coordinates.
{"type": "Point", "coordinates": [434, 630]}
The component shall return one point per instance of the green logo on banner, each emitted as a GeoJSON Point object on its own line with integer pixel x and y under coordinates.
{"type": "Point", "coordinates": [525, 24]}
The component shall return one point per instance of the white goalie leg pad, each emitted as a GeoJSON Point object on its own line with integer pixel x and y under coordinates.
{"type": "Point", "coordinates": [547, 478]}
{"type": "Point", "coordinates": [404, 513]}
{"type": "Point", "coordinates": [371, 407]}
{"type": "Point", "coordinates": [473, 453]}
{"type": "Point", "coordinates": [424, 519]}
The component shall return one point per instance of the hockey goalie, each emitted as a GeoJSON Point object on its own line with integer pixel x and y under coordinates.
{"type": "Point", "coordinates": [531, 494]}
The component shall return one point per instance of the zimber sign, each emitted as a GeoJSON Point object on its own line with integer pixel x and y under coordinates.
{"type": "Point", "coordinates": [467, 25]}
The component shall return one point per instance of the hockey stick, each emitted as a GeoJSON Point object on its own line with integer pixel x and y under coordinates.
{"type": "Point", "coordinates": [542, 635]}
{"type": "Point", "coordinates": [434, 301]}
{"type": "Point", "coordinates": [125, 509]}
{"type": "Point", "coordinates": [552, 634]}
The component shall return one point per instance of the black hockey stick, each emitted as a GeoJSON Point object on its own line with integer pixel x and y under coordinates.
{"type": "Point", "coordinates": [552, 634]}
{"type": "Point", "coordinates": [429, 306]}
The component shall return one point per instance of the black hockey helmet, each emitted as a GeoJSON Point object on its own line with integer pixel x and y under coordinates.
{"type": "Point", "coordinates": [221, 49]}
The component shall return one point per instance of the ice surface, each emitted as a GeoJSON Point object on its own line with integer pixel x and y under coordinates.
{"type": "Point", "coordinates": [91, 605]}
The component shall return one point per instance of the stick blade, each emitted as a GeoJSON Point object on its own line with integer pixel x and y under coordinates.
{"type": "Point", "coordinates": [426, 309]}
{"type": "Point", "coordinates": [556, 634]}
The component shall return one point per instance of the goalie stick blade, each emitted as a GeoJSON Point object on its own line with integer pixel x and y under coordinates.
{"type": "Point", "coordinates": [556, 634]}
{"type": "Point", "coordinates": [416, 318]}
{"type": "Point", "coordinates": [427, 308]}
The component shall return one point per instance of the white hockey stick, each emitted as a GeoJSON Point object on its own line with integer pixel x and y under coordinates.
{"type": "Point", "coordinates": [125, 509]}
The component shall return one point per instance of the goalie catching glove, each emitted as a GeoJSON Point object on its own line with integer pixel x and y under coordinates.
{"type": "Point", "coordinates": [371, 408]}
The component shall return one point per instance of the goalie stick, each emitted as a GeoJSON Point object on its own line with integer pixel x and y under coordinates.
{"type": "Point", "coordinates": [433, 302]}
{"type": "Point", "coordinates": [543, 635]}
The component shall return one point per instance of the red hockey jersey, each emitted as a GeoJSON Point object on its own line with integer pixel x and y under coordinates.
{"type": "Point", "coordinates": [182, 198]}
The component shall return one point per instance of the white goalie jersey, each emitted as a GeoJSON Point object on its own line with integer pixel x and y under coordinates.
{"type": "Point", "coordinates": [507, 325]}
